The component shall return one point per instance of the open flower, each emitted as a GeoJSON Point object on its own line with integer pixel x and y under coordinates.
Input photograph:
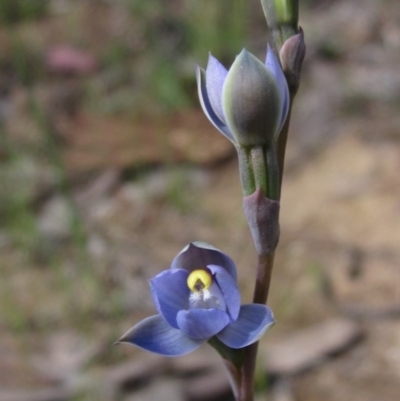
{"type": "Point", "coordinates": [248, 104]}
{"type": "Point", "coordinates": [196, 299]}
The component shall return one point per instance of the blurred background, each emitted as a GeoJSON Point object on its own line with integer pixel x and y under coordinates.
{"type": "Point", "coordinates": [108, 168]}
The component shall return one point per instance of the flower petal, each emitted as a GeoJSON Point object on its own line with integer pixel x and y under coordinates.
{"type": "Point", "coordinates": [215, 78]}
{"type": "Point", "coordinates": [229, 289]}
{"type": "Point", "coordinates": [207, 108]}
{"type": "Point", "coordinates": [272, 63]}
{"type": "Point", "coordinates": [156, 335]}
{"type": "Point", "coordinates": [202, 323]}
{"type": "Point", "coordinates": [253, 321]}
{"type": "Point", "coordinates": [170, 293]}
{"type": "Point", "coordinates": [198, 255]}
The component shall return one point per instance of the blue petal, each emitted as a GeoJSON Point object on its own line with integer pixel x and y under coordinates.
{"type": "Point", "coordinates": [202, 323]}
{"type": "Point", "coordinates": [229, 289]}
{"type": "Point", "coordinates": [272, 63]}
{"type": "Point", "coordinates": [207, 108]}
{"type": "Point", "coordinates": [198, 255]}
{"type": "Point", "coordinates": [253, 321]}
{"type": "Point", "coordinates": [215, 78]}
{"type": "Point", "coordinates": [156, 335]}
{"type": "Point", "coordinates": [170, 293]}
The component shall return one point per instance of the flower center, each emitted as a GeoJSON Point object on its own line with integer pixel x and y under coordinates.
{"type": "Point", "coordinates": [204, 291]}
{"type": "Point", "coordinates": [199, 280]}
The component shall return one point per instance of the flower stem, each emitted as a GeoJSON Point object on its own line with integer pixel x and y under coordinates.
{"type": "Point", "coordinates": [233, 360]}
{"type": "Point", "coordinates": [274, 182]}
{"type": "Point", "coordinates": [275, 163]}
{"type": "Point", "coordinates": [281, 143]}
{"type": "Point", "coordinates": [275, 159]}
{"type": "Point", "coordinates": [263, 279]}
{"type": "Point", "coordinates": [282, 19]}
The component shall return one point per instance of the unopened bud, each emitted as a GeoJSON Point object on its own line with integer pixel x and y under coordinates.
{"type": "Point", "coordinates": [251, 102]}
{"type": "Point", "coordinates": [292, 55]}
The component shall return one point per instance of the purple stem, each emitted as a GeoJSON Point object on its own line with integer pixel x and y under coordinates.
{"type": "Point", "coordinates": [264, 272]}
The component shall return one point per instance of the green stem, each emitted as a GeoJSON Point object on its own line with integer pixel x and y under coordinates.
{"type": "Point", "coordinates": [233, 355]}
{"type": "Point", "coordinates": [282, 18]}
{"type": "Point", "coordinates": [233, 360]}
{"type": "Point", "coordinates": [246, 171]}
{"type": "Point", "coordinates": [260, 174]}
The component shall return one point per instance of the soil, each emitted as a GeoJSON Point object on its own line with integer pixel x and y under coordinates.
{"type": "Point", "coordinates": [131, 191]}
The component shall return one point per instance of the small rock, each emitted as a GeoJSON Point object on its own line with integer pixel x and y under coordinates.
{"type": "Point", "coordinates": [310, 346]}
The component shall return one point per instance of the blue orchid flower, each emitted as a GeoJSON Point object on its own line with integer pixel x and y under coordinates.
{"type": "Point", "coordinates": [250, 102]}
{"type": "Point", "coordinates": [196, 299]}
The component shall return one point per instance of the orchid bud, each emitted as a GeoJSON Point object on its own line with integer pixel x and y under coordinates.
{"type": "Point", "coordinates": [292, 55]}
{"type": "Point", "coordinates": [251, 102]}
